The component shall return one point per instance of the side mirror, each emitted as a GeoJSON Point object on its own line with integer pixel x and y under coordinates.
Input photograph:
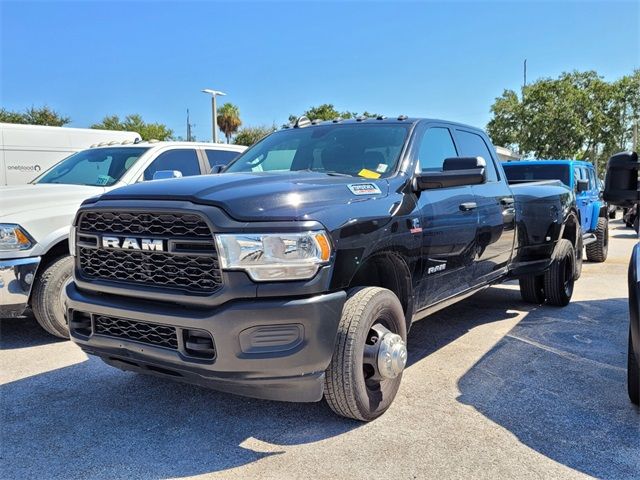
{"type": "Point", "coordinates": [456, 172]}
{"type": "Point", "coordinates": [582, 185]}
{"type": "Point", "coordinates": [217, 168]}
{"type": "Point", "coordinates": [621, 182]}
{"type": "Point", "coordinates": [164, 174]}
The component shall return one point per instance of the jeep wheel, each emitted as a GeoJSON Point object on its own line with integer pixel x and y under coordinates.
{"type": "Point", "coordinates": [370, 354]}
{"type": "Point", "coordinates": [559, 279]}
{"type": "Point", "coordinates": [47, 296]}
{"type": "Point", "coordinates": [597, 251]}
{"type": "Point", "coordinates": [633, 374]}
{"type": "Point", "coordinates": [532, 289]}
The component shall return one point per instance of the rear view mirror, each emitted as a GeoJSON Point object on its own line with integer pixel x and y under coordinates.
{"type": "Point", "coordinates": [164, 174]}
{"type": "Point", "coordinates": [456, 171]}
{"type": "Point", "coordinates": [621, 182]}
{"type": "Point", "coordinates": [582, 185]}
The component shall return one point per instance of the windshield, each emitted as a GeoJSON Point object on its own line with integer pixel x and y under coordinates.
{"type": "Point", "coordinates": [531, 173]}
{"type": "Point", "coordinates": [369, 151]}
{"type": "Point", "coordinates": [96, 167]}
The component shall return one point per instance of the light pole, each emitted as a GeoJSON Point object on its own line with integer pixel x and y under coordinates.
{"type": "Point", "coordinates": [214, 114]}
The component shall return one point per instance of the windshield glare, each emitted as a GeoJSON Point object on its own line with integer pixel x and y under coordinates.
{"type": "Point", "coordinates": [100, 167]}
{"type": "Point", "coordinates": [369, 151]}
{"type": "Point", "coordinates": [532, 173]}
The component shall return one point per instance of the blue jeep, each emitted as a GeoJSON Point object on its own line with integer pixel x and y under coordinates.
{"type": "Point", "coordinates": [581, 177]}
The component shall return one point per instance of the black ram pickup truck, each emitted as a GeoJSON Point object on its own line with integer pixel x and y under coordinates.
{"type": "Point", "coordinates": [297, 272]}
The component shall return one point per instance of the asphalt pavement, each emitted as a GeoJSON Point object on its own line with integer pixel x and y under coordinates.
{"type": "Point", "coordinates": [495, 388]}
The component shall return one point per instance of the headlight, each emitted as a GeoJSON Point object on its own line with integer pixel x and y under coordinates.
{"type": "Point", "coordinates": [13, 237]}
{"type": "Point", "coordinates": [274, 256]}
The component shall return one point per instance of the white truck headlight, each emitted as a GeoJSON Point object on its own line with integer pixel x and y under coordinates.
{"type": "Point", "coordinates": [274, 256]}
{"type": "Point", "coordinates": [13, 237]}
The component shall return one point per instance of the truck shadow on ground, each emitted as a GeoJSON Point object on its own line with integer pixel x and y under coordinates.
{"type": "Point", "coordinates": [89, 420]}
{"type": "Point", "coordinates": [23, 332]}
{"type": "Point", "coordinates": [558, 382]}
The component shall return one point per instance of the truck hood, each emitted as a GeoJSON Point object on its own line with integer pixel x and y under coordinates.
{"type": "Point", "coordinates": [19, 200]}
{"type": "Point", "coordinates": [260, 196]}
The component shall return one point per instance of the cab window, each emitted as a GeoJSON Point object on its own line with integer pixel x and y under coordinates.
{"type": "Point", "coordinates": [473, 145]}
{"type": "Point", "coordinates": [435, 146]}
{"type": "Point", "coordinates": [184, 160]}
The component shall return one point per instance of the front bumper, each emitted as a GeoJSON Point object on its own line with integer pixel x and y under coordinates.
{"type": "Point", "coordinates": [257, 350]}
{"type": "Point", "coordinates": [16, 280]}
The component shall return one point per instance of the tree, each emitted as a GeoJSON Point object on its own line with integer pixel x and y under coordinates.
{"type": "Point", "coordinates": [250, 135]}
{"type": "Point", "coordinates": [229, 120]}
{"type": "Point", "coordinates": [34, 116]}
{"type": "Point", "coordinates": [577, 115]}
{"type": "Point", "coordinates": [134, 123]}
{"type": "Point", "coordinates": [327, 111]}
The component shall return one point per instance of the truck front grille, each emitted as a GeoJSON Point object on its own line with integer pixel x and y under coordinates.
{"type": "Point", "coordinates": [149, 333]}
{"type": "Point", "coordinates": [188, 260]}
{"type": "Point", "coordinates": [145, 223]}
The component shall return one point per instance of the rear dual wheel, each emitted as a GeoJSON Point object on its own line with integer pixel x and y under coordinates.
{"type": "Point", "coordinates": [370, 354]}
{"type": "Point", "coordinates": [556, 285]}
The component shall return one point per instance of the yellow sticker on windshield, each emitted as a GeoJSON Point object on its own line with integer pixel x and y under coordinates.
{"type": "Point", "coordinates": [368, 173]}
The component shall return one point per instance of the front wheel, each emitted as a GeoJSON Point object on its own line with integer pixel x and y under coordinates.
{"type": "Point", "coordinates": [369, 356]}
{"type": "Point", "coordinates": [560, 278]}
{"type": "Point", "coordinates": [47, 296]}
{"type": "Point", "coordinates": [633, 374]}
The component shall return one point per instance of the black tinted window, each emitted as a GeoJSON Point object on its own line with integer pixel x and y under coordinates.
{"type": "Point", "coordinates": [436, 145]}
{"type": "Point", "coordinates": [220, 157]}
{"type": "Point", "coordinates": [523, 172]}
{"type": "Point", "coordinates": [184, 160]}
{"type": "Point", "coordinates": [473, 145]}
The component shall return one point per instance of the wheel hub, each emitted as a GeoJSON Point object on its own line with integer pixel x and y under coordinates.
{"type": "Point", "coordinates": [392, 355]}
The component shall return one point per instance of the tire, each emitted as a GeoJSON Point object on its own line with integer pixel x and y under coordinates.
{"type": "Point", "coordinates": [348, 391]}
{"type": "Point", "coordinates": [579, 249]}
{"type": "Point", "coordinates": [559, 279]}
{"type": "Point", "coordinates": [633, 374]}
{"type": "Point", "coordinates": [598, 250]}
{"type": "Point", "coordinates": [46, 299]}
{"type": "Point", "coordinates": [532, 289]}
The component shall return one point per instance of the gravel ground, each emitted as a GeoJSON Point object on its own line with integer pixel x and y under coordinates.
{"type": "Point", "coordinates": [494, 388]}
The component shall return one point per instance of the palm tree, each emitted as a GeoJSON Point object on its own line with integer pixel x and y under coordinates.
{"type": "Point", "coordinates": [229, 119]}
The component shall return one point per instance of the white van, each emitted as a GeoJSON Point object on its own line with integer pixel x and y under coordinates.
{"type": "Point", "coordinates": [28, 150]}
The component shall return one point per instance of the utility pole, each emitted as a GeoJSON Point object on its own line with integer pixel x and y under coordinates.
{"type": "Point", "coordinates": [188, 127]}
{"type": "Point", "coordinates": [525, 76]}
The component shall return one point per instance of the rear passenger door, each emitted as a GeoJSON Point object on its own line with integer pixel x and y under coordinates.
{"type": "Point", "coordinates": [496, 213]}
{"type": "Point", "coordinates": [184, 160]}
{"type": "Point", "coordinates": [448, 229]}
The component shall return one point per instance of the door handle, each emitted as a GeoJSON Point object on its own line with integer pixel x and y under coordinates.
{"type": "Point", "coordinates": [465, 207]}
{"type": "Point", "coordinates": [507, 201]}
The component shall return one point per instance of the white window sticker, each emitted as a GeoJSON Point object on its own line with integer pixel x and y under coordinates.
{"type": "Point", "coordinates": [364, 188]}
{"type": "Point", "coordinates": [382, 168]}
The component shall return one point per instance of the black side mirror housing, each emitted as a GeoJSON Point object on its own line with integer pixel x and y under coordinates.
{"type": "Point", "coordinates": [217, 168]}
{"type": "Point", "coordinates": [456, 172]}
{"type": "Point", "coordinates": [582, 185]}
{"type": "Point", "coordinates": [621, 182]}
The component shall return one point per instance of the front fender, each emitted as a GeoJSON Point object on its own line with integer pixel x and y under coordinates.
{"type": "Point", "coordinates": [597, 212]}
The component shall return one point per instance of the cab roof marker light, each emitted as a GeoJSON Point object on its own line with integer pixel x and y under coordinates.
{"type": "Point", "coordinates": [337, 120]}
{"type": "Point", "coordinates": [402, 117]}
{"type": "Point", "coordinates": [380, 117]}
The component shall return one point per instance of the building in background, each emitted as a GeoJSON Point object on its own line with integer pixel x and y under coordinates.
{"type": "Point", "coordinates": [506, 155]}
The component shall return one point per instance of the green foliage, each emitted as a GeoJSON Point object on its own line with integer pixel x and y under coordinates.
{"type": "Point", "coordinates": [134, 123]}
{"type": "Point", "coordinates": [34, 116]}
{"type": "Point", "coordinates": [327, 111]}
{"type": "Point", "coordinates": [250, 135]}
{"type": "Point", "coordinates": [577, 115]}
{"type": "Point", "coordinates": [229, 120]}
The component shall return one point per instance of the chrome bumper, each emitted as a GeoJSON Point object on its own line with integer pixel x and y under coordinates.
{"type": "Point", "coordinates": [16, 280]}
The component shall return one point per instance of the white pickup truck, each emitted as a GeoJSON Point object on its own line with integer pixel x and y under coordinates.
{"type": "Point", "coordinates": [35, 218]}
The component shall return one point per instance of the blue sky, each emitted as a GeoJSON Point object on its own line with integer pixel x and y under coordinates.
{"type": "Point", "coordinates": [446, 60]}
